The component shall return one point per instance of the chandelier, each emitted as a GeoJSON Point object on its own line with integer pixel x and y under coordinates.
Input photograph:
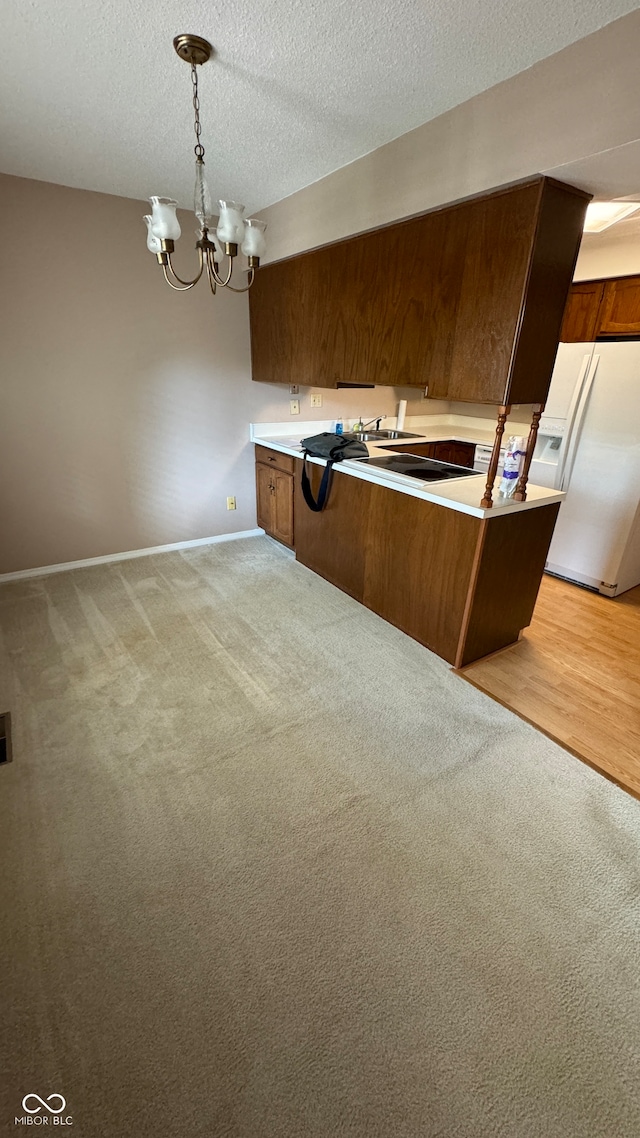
{"type": "Point", "coordinates": [218, 238]}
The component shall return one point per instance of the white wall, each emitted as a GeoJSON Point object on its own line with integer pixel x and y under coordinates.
{"type": "Point", "coordinates": [270, 403]}
{"type": "Point", "coordinates": [125, 407]}
{"type": "Point", "coordinates": [608, 256]}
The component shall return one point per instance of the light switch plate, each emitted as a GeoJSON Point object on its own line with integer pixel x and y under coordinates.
{"type": "Point", "coordinates": [316, 401]}
{"type": "Point", "coordinates": [294, 406]}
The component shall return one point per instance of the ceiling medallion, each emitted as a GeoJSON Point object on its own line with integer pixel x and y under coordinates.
{"type": "Point", "coordinates": [218, 238]}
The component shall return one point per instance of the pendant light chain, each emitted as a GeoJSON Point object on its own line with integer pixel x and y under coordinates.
{"type": "Point", "coordinates": [198, 148]}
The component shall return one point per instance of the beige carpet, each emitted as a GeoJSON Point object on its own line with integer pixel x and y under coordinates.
{"type": "Point", "coordinates": [270, 870]}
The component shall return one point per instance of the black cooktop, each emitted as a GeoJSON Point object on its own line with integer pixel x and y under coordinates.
{"type": "Point", "coordinates": [428, 469]}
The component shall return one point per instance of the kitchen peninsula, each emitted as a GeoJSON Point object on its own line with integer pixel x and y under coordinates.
{"type": "Point", "coordinates": [467, 300]}
{"type": "Point", "coordinates": [460, 578]}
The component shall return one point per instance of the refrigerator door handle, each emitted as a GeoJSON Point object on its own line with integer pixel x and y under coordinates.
{"type": "Point", "coordinates": [577, 414]}
{"type": "Point", "coordinates": [571, 414]}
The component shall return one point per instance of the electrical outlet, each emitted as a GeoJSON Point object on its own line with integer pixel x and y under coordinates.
{"type": "Point", "coordinates": [231, 503]}
{"type": "Point", "coordinates": [316, 401]}
{"type": "Point", "coordinates": [294, 406]}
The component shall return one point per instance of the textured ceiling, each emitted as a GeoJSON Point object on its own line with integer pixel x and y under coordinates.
{"type": "Point", "coordinates": [92, 94]}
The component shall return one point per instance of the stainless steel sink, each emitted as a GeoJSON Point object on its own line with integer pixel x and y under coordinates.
{"type": "Point", "coordinates": [371, 436]}
{"type": "Point", "coordinates": [396, 435]}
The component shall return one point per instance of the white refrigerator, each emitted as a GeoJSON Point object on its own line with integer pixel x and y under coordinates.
{"type": "Point", "coordinates": [589, 446]}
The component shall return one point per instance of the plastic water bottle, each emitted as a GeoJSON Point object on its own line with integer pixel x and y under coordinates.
{"type": "Point", "coordinates": [512, 465]}
{"type": "Point", "coordinates": [339, 427]}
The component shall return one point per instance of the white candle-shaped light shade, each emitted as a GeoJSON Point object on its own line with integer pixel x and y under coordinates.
{"type": "Point", "coordinates": [202, 203]}
{"type": "Point", "coordinates": [213, 236]}
{"type": "Point", "coordinates": [231, 223]}
{"type": "Point", "coordinates": [164, 222]}
{"type": "Point", "coordinates": [254, 244]}
{"type": "Point", "coordinates": [153, 242]}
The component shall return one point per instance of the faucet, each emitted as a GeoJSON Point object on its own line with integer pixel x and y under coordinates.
{"type": "Point", "coordinates": [376, 419]}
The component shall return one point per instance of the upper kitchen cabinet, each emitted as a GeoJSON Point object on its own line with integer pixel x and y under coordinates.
{"type": "Point", "coordinates": [602, 308]}
{"type": "Point", "coordinates": [580, 323]}
{"type": "Point", "coordinates": [467, 300]}
{"type": "Point", "coordinates": [620, 311]}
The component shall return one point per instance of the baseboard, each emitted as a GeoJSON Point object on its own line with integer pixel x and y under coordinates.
{"type": "Point", "coordinates": [45, 570]}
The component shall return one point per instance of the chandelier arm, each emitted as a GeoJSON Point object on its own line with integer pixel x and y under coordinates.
{"type": "Point", "coordinates": [211, 277]}
{"type": "Point", "coordinates": [224, 283]}
{"type": "Point", "coordinates": [252, 273]}
{"type": "Point", "coordinates": [186, 284]}
{"type": "Point", "coordinates": [178, 288]}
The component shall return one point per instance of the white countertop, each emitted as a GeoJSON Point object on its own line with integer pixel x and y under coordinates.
{"type": "Point", "coordinates": [463, 494]}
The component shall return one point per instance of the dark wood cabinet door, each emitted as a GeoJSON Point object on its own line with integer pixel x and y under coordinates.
{"type": "Point", "coordinates": [274, 492]}
{"type": "Point", "coordinates": [491, 287]}
{"type": "Point", "coordinates": [555, 252]}
{"type": "Point", "coordinates": [461, 454]}
{"type": "Point", "coordinates": [620, 311]}
{"type": "Point", "coordinates": [283, 507]}
{"type": "Point", "coordinates": [281, 348]}
{"type": "Point", "coordinates": [424, 589]}
{"type": "Point", "coordinates": [580, 322]}
{"type": "Point", "coordinates": [264, 496]}
{"type": "Point", "coordinates": [334, 542]}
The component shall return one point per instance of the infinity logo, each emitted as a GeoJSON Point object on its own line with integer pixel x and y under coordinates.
{"type": "Point", "coordinates": [51, 1109]}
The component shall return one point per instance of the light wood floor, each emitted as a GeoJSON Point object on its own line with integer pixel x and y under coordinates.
{"type": "Point", "coordinates": [575, 674]}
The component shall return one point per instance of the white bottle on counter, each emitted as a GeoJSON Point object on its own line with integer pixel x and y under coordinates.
{"type": "Point", "coordinates": [513, 461]}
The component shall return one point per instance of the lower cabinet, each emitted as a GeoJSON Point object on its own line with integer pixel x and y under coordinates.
{"type": "Point", "coordinates": [274, 489]}
{"type": "Point", "coordinates": [463, 586]}
{"type": "Point", "coordinates": [461, 454]}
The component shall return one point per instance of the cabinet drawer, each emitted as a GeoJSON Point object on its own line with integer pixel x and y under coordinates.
{"type": "Point", "coordinates": [275, 459]}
